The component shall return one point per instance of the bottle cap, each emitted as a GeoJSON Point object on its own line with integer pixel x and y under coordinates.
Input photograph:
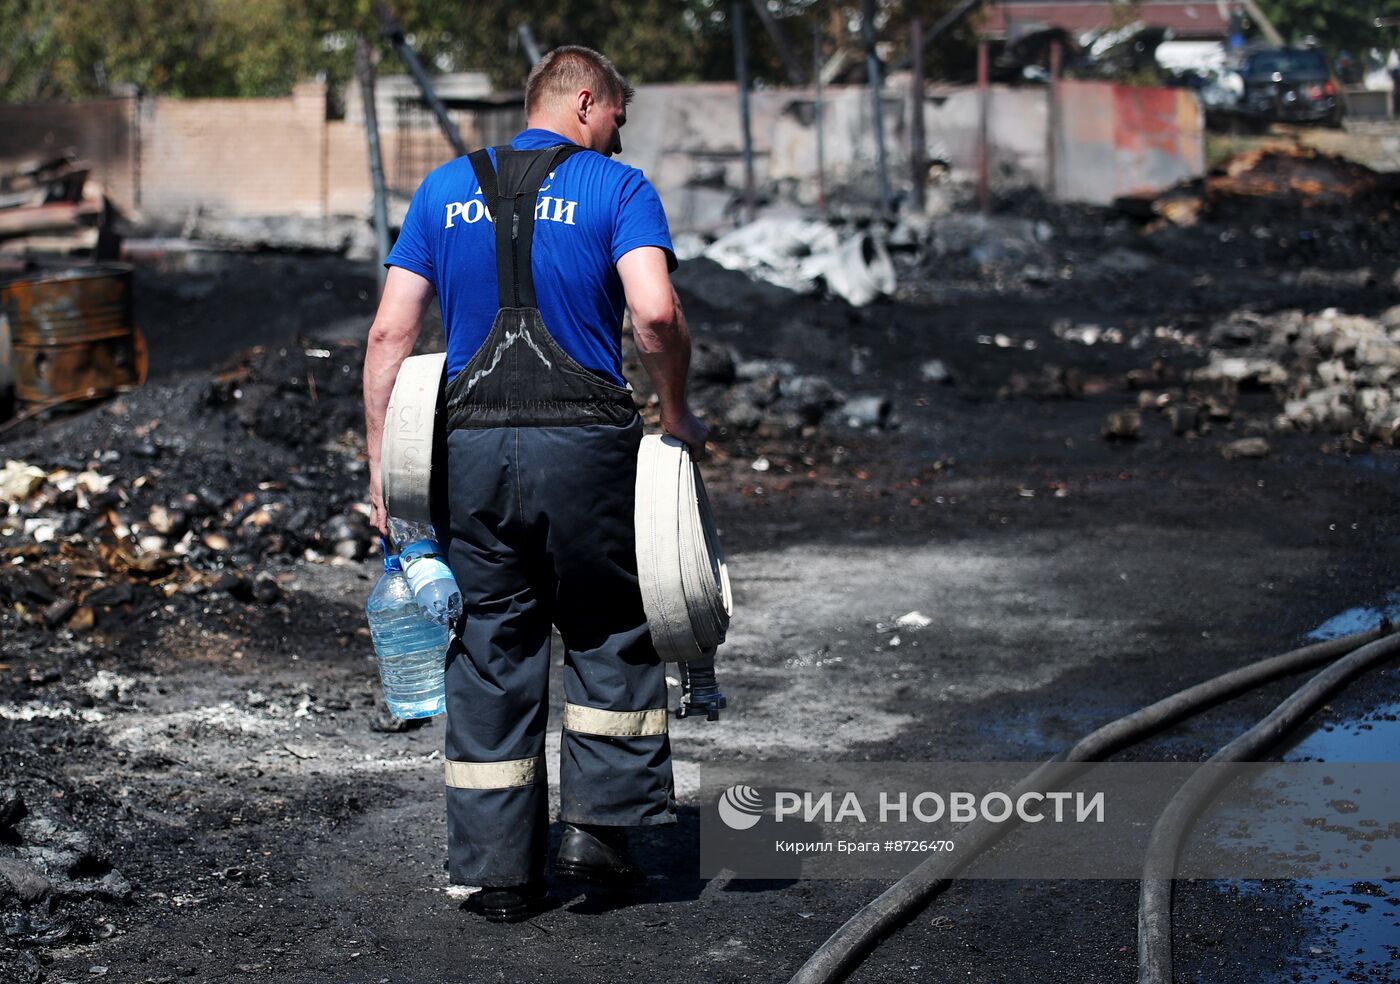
{"type": "Point", "coordinates": [391, 561]}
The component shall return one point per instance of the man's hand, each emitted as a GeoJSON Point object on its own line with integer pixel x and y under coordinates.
{"type": "Point", "coordinates": [395, 329]}
{"type": "Point", "coordinates": [690, 429]}
{"type": "Point", "coordinates": [379, 516]}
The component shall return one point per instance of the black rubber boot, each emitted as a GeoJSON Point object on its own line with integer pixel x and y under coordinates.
{"type": "Point", "coordinates": [512, 904]}
{"type": "Point", "coordinates": [599, 855]}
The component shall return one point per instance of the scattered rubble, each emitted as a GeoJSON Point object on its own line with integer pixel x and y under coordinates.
{"type": "Point", "coordinates": [770, 398]}
{"type": "Point", "coordinates": [1001, 251]}
{"type": "Point", "coordinates": [1299, 177]}
{"type": "Point", "coordinates": [1332, 372]}
{"type": "Point", "coordinates": [48, 207]}
{"type": "Point", "coordinates": [1329, 372]}
{"type": "Point", "coordinates": [92, 542]}
{"type": "Point", "coordinates": [1246, 447]}
{"type": "Point", "coordinates": [1123, 425]}
{"type": "Point", "coordinates": [1285, 180]}
{"type": "Point", "coordinates": [58, 882]}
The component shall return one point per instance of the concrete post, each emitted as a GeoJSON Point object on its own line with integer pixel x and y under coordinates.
{"type": "Point", "coordinates": [984, 110]}
{"type": "Point", "coordinates": [872, 66]}
{"type": "Point", "coordinates": [1052, 139]}
{"type": "Point", "coordinates": [918, 146]}
{"type": "Point", "coordinates": [818, 113]}
{"type": "Point", "coordinates": [364, 68]}
{"type": "Point", "coordinates": [741, 67]}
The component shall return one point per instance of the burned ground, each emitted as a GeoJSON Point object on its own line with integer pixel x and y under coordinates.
{"type": "Point", "coordinates": [187, 745]}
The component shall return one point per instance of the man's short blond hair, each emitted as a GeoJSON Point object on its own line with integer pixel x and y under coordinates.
{"type": "Point", "coordinates": [567, 69]}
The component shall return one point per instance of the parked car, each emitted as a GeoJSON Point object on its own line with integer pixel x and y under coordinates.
{"type": "Point", "coordinates": [1292, 85]}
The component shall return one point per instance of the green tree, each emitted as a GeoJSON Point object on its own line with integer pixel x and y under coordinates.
{"type": "Point", "coordinates": [1337, 25]}
{"type": "Point", "coordinates": [76, 48]}
{"type": "Point", "coordinates": [51, 49]}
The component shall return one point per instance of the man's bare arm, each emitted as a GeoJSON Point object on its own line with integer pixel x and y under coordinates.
{"type": "Point", "coordinates": [663, 340]}
{"type": "Point", "coordinates": [391, 337]}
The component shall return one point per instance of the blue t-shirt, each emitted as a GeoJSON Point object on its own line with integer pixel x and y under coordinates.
{"type": "Point", "coordinates": [591, 210]}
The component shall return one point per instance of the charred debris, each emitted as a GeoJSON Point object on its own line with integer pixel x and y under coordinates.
{"type": "Point", "coordinates": [175, 493]}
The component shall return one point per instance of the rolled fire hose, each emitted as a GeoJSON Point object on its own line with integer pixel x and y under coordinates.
{"type": "Point", "coordinates": [680, 564]}
{"type": "Point", "coordinates": [410, 430]}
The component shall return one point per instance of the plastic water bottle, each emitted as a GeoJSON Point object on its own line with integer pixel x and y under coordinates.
{"type": "Point", "coordinates": [411, 648]}
{"type": "Point", "coordinates": [428, 574]}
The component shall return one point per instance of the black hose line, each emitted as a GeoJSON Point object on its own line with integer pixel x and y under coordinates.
{"type": "Point", "coordinates": [1155, 900]}
{"type": "Point", "coordinates": [846, 947]}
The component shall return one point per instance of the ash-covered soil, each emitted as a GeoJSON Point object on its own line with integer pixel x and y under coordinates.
{"type": "Point", "coordinates": [195, 786]}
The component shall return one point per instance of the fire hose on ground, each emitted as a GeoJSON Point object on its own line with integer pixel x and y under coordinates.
{"type": "Point", "coordinates": [845, 948]}
{"type": "Point", "coordinates": [1155, 901]}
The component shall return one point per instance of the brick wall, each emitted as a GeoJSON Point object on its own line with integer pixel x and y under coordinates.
{"type": "Point", "coordinates": [232, 157]}
{"type": "Point", "coordinates": [347, 168]}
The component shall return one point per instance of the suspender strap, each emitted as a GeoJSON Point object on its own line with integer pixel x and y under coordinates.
{"type": "Point", "coordinates": [511, 191]}
{"type": "Point", "coordinates": [485, 174]}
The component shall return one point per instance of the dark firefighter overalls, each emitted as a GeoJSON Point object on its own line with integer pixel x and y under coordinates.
{"type": "Point", "coordinates": [538, 509]}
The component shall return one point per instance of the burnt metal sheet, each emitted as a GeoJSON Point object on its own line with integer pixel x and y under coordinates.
{"type": "Point", "coordinates": [1121, 140]}
{"type": "Point", "coordinates": [1158, 138]}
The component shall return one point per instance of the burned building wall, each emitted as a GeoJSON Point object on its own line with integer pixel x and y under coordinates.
{"type": "Point", "coordinates": [1017, 132]}
{"type": "Point", "coordinates": [688, 140]}
{"type": "Point", "coordinates": [192, 163]}
{"type": "Point", "coordinates": [1114, 139]}
{"type": "Point", "coordinates": [101, 132]}
{"type": "Point", "coordinates": [179, 163]}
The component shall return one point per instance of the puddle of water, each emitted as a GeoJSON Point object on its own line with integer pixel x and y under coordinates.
{"type": "Point", "coordinates": [1358, 921]}
{"type": "Point", "coordinates": [1374, 736]}
{"type": "Point", "coordinates": [1358, 619]}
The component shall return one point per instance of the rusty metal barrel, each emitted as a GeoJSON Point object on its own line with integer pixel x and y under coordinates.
{"type": "Point", "coordinates": [7, 376]}
{"type": "Point", "coordinates": [71, 333]}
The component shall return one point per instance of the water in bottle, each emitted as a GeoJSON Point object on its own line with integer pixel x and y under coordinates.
{"type": "Point", "coordinates": [428, 574]}
{"type": "Point", "coordinates": [411, 648]}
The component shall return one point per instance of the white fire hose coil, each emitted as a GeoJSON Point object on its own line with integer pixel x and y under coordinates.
{"type": "Point", "coordinates": [680, 564]}
{"type": "Point", "coordinates": [406, 454]}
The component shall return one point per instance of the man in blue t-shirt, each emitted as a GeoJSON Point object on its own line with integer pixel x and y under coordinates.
{"type": "Point", "coordinates": [533, 250]}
